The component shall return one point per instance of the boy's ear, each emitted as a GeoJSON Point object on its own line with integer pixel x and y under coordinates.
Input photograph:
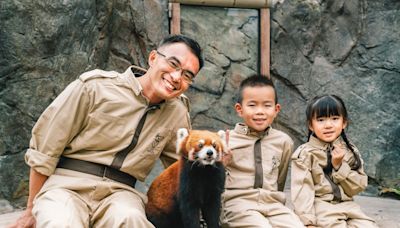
{"type": "Point", "coordinates": [277, 108]}
{"type": "Point", "coordinates": [238, 108]}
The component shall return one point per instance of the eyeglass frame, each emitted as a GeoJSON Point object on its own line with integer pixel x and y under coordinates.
{"type": "Point", "coordinates": [174, 63]}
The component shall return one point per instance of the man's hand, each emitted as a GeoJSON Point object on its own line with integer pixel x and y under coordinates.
{"type": "Point", "coordinates": [337, 156]}
{"type": "Point", "coordinates": [36, 181]}
{"type": "Point", "coordinates": [26, 220]}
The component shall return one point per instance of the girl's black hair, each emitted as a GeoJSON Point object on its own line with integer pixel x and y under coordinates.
{"type": "Point", "coordinates": [326, 106]}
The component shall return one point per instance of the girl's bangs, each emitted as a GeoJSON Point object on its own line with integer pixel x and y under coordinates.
{"type": "Point", "coordinates": [327, 107]}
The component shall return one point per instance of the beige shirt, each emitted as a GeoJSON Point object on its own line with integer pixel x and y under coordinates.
{"type": "Point", "coordinates": [96, 116]}
{"type": "Point", "coordinates": [308, 181]}
{"type": "Point", "coordinates": [276, 148]}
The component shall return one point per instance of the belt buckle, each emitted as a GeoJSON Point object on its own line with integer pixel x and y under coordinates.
{"type": "Point", "coordinates": [105, 171]}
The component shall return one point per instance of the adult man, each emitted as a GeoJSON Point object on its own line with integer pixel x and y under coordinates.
{"type": "Point", "coordinates": [104, 131]}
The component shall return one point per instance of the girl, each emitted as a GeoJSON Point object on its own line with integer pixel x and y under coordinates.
{"type": "Point", "coordinates": [327, 171]}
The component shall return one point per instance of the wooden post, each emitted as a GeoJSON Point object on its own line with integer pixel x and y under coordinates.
{"type": "Point", "coordinates": [175, 25]}
{"type": "Point", "coordinates": [265, 42]}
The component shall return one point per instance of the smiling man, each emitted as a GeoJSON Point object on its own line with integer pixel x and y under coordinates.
{"type": "Point", "coordinates": [104, 132]}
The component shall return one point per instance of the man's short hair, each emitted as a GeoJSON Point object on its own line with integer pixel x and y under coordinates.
{"type": "Point", "coordinates": [191, 43]}
{"type": "Point", "coordinates": [255, 81]}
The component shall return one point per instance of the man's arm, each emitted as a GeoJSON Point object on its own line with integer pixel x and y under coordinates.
{"type": "Point", "coordinates": [36, 181]}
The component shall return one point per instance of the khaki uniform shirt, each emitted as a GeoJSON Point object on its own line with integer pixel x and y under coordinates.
{"type": "Point", "coordinates": [308, 181]}
{"type": "Point", "coordinates": [276, 148]}
{"type": "Point", "coordinates": [96, 116]}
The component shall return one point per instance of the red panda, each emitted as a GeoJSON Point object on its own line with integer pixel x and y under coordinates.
{"type": "Point", "coordinates": [191, 185]}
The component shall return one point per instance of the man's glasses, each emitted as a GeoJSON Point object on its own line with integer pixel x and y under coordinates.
{"type": "Point", "coordinates": [187, 76]}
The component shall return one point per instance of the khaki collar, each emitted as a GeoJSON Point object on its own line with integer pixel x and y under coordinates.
{"type": "Point", "coordinates": [243, 129]}
{"type": "Point", "coordinates": [316, 142]}
{"type": "Point", "coordinates": [131, 73]}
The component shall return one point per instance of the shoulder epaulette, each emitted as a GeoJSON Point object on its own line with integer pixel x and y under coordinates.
{"type": "Point", "coordinates": [138, 70]}
{"type": "Point", "coordinates": [97, 74]}
{"type": "Point", "coordinates": [298, 151]}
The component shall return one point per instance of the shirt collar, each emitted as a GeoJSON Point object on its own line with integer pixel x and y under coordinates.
{"type": "Point", "coordinates": [132, 73]}
{"type": "Point", "coordinates": [243, 129]}
{"type": "Point", "coordinates": [316, 142]}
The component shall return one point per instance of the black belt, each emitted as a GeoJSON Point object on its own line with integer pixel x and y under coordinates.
{"type": "Point", "coordinates": [97, 170]}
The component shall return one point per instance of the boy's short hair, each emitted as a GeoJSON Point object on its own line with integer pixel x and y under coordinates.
{"type": "Point", "coordinates": [255, 81]}
{"type": "Point", "coordinates": [191, 43]}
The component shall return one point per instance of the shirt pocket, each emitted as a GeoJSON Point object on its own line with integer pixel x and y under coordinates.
{"type": "Point", "coordinates": [271, 166]}
{"type": "Point", "coordinates": [103, 131]}
{"type": "Point", "coordinates": [318, 175]}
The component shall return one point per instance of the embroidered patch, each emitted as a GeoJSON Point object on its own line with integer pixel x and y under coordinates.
{"type": "Point", "coordinates": [153, 146]}
{"type": "Point", "coordinates": [275, 163]}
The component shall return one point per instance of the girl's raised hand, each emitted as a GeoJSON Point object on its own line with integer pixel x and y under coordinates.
{"type": "Point", "coordinates": [337, 156]}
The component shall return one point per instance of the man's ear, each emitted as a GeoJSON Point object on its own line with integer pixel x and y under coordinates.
{"type": "Point", "coordinates": [152, 57]}
{"type": "Point", "coordinates": [239, 109]}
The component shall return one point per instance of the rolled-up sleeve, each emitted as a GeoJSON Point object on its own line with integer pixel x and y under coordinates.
{"type": "Point", "coordinates": [56, 127]}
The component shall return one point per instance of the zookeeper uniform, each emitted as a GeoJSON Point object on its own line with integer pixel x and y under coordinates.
{"type": "Point", "coordinates": [313, 194]}
{"type": "Point", "coordinates": [76, 139]}
{"type": "Point", "coordinates": [244, 203]}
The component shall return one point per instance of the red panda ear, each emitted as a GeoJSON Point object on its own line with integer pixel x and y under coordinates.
{"type": "Point", "coordinates": [224, 138]}
{"type": "Point", "coordinates": [181, 135]}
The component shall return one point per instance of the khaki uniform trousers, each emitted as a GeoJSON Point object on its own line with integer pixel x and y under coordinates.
{"type": "Point", "coordinates": [344, 214]}
{"type": "Point", "coordinates": [257, 209]}
{"type": "Point", "coordinates": [68, 201]}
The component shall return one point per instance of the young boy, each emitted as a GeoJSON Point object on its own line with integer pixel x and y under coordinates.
{"type": "Point", "coordinates": [257, 170]}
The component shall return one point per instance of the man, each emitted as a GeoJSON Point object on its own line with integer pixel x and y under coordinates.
{"type": "Point", "coordinates": [104, 131]}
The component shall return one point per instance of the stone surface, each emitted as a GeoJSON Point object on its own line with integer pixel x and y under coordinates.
{"type": "Point", "coordinates": [349, 48]}
{"type": "Point", "coordinates": [384, 211]}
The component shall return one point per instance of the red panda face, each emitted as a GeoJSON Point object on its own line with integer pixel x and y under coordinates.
{"type": "Point", "coordinates": [203, 147]}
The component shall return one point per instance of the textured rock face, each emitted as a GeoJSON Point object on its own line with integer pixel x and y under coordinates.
{"type": "Point", "coordinates": [349, 48]}
{"type": "Point", "coordinates": [46, 45]}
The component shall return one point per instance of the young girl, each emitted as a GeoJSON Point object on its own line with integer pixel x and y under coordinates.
{"type": "Point", "coordinates": [327, 171]}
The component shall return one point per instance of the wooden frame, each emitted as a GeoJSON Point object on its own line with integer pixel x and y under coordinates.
{"type": "Point", "coordinates": [262, 5]}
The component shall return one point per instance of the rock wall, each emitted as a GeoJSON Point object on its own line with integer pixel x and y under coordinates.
{"type": "Point", "coordinates": [350, 48]}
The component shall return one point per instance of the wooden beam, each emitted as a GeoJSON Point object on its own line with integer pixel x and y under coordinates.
{"type": "Point", "coordinates": [265, 42]}
{"type": "Point", "coordinates": [255, 4]}
{"type": "Point", "coordinates": [175, 26]}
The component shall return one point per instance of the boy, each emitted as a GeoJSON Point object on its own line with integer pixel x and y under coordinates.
{"type": "Point", "coordinates": [257, 171]}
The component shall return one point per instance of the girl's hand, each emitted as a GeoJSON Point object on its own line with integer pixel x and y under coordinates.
{"type": "Point", "coordinates": [337, 156]}
{"type": "Point", "coordinates": [311, 226]}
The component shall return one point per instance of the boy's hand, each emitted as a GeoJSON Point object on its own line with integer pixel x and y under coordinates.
{"type": "Point", "coordinates": [26, 220]}
{"type": "Point", "coordinates": [337, 156]}
{"type": "Point", "coordinates": [227, 157]}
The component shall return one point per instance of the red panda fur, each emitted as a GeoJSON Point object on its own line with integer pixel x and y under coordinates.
{"type": "Point", "coordinates": [192, 184]}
